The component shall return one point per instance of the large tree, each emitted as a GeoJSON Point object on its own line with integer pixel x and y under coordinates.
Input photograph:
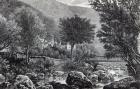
{"type": "Point", "coordinates": [32, 27]}
{"type": "Point", "coordinates": [76, 30]}
{"type": "Point", "coordinates": [120, 28]}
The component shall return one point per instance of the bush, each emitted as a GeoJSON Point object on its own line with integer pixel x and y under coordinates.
{"type": "Point", "coordinates": [78, 66]}
{"type": "Point", "coordinates": [84, 52]}
{"type": "Point", "coordinates": [70, 66]}
{"type": "Point", "coordinates": [40, 65]}
{"type": "Point", "coordinates": [56, 52]}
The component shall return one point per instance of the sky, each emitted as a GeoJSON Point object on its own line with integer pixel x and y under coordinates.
{"type": "Point", "coordinates": [82, 3]}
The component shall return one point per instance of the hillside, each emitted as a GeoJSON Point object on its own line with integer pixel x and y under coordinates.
{"type": "Point", "coordinates": [56, 10]}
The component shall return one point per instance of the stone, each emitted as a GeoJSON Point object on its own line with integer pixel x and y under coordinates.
{"type": "Point", "coordinates": [23, 82]}
{"type": "Point", "coordinates": [57, 85]}
{"type": "Point", "coordinates": [76, 78]}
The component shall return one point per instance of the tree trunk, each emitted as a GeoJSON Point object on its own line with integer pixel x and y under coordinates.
{"type": "Point", "coordinates": [27, 54]}
{"type": "Point", "coordinates": [72, 46]}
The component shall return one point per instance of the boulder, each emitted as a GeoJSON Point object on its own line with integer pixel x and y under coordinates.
{"type": "Point", "coordinates": [23, 82]}
{"type": "Point", "coordinates": [57, 85]}
{"type": "Point", "coordinates": [122, 84]}
{"type": "Point", "coordinates": [78, 79]}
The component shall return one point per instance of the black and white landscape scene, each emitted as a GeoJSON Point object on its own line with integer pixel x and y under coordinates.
{"type": "Point", "coordinates": [69, 44]}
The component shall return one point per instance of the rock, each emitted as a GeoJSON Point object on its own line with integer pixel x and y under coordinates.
{"type": "Point", "coordinates": [2, 79]}
{"type": "Point", "coordinates": [76, 78]}
{"type": "Point", "coordinates": [57, 85]}
{"type": "Point", "coordinates": [33, 77]}
{"type": "Point", "coordinates": [104, 76]}
{"type": "Point", "coordinates": [122, 84]}
{"type": "Point", "coordinates": [23, 82]}
{"type": "Point", "coordinates": [94, 78]}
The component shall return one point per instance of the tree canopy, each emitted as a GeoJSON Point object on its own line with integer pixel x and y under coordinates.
{"type": "Point", "coordinates": [32, 28]}
{"type": "Point", "coordinates": [9, 31]}
{"type": "Point", "coordinates": [120, 28]}
{"type": "Point", "coordinates": [76, 30]}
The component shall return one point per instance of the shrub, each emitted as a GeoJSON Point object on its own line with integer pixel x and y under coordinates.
{"type": "Point", "coordinates": [78, 66]}
{"type": "Point", "coordinates": [56, 52]}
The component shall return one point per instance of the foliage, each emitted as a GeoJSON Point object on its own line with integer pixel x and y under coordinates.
{"type": "Point", "coordinates": [83, 67]}
{"type": "Point", "coordinates": [42, 65]}
{"type": "Point", "coordinates": [55, 52]}
{"type": "Point", "coordinates": [76, 30]}
{"type": "Point", "coordinates": [8, 6]}
{"type": "Point", "coordinates": [32, 27]}
{"type": "Point", "coordinates": [9, 31]}
{"type": "Point", "coordinates": [4, 66]}
{"type": "Point", "coordinates": [120, 28]}
{"type": "Point", "coordinates": [84, 52]}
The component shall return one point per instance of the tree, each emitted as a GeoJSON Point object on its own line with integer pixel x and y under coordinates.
{"type": "Point", "coordinates": [8, 6]}
{"type": "Point", "coordinates": [76, 30]}
{"type": "Point", "coordinates": [32, 27]}
{"type": "Point", "coordinates": [9, 31]}
{"type": "Point", "coordinates": [120, 28]}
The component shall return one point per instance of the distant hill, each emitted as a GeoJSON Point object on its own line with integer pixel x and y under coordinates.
{"type": "Point", "coordinates": [56, 10]}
